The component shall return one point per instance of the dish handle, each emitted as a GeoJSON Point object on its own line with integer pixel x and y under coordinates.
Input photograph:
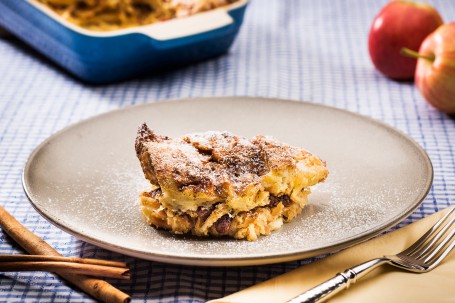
{"type": "Point", "coordinates": [189, 26]}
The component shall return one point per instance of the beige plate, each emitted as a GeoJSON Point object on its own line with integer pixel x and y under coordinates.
{"type": "Point", "coordinates": [85, 179]}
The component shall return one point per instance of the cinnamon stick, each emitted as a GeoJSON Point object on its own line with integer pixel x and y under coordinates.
{"type": "Point", "coordinates": [21, 258]}
{"type": "Point", "coordinates": [33, 244]}
{"type": "Point", "coordinates": [67, 267]}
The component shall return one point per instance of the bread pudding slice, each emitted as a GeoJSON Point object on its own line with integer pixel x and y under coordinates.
{"type": "Point", "coordinates": [220, 184]}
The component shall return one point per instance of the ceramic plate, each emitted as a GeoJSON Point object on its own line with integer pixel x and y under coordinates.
{"type": "Point", "coordinates": [86, 179]}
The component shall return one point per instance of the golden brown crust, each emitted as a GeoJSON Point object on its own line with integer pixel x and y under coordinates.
{"type": "Point", "coordinates": [105, 15]}
{"type": "Point", "coordinates": [213, 162]}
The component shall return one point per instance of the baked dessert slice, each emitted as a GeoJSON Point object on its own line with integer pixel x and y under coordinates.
{"type": "Point", "coordinates": [220, 184]}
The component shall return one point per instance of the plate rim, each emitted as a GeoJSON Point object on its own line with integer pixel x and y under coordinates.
{"type": "Point", "coordinates": [222, 260]}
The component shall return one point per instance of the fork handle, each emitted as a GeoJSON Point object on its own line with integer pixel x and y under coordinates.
{"type": "Point", "coordinates": [336, 284]}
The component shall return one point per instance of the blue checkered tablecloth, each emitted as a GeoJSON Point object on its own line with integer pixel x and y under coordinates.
{"type": "Point", "coordinates": [303, 50]}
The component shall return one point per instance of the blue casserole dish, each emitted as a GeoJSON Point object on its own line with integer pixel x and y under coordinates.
{"type": "Point", "coordinates": [106, 57]}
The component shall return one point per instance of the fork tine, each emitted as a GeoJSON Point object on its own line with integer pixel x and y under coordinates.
{"type": "Point", "coordinates": [435, 255]}
{"type": "Point", "coordinates": [430, 246]}
{"type": "Point", "coordinates": [419, 243]}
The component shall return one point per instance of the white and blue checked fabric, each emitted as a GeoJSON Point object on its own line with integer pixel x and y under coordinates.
{"type": "Point", "coordinates": [304, 50]}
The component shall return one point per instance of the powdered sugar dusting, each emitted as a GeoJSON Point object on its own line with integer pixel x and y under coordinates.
{"type": "Point", "coordinates": [217, 163]}
{"type": "Point", "coordinates": [87, 181]}
{"type": "Point", "coordinates": [337, 211]}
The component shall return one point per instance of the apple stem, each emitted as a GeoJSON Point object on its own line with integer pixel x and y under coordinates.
{"type": "Point", "coordinates": [412, 54]}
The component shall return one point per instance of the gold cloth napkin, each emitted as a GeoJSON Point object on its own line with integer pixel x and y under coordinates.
{"type": "Point", "coordinates": [384, 284]}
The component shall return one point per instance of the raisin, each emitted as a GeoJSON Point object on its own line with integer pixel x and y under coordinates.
{"type": "Point", "coordinates": [274, 200]}
{"type": "Point", "coordinates": [285, 199]}
{"type": "Point", "coordinates": [204, 213]}
{"type": "Point", "coordinates": [223, 224]}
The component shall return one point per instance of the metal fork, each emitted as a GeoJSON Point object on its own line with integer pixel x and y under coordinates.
{"type": "Point", "coordinates": [424, 255]}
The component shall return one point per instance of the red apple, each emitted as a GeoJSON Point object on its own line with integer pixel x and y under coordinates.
{"type": "Point", "coordinates": [435, 72]}
{"type": "Point", "coordinates": [400, 24]}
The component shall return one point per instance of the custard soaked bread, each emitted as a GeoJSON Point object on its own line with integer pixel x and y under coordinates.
{"type": "Point", "coordinates": [219, 184]}
{"type": "Point", "coordinates": [105, 15]}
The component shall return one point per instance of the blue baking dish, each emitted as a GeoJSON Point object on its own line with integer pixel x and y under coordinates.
{"type": "Point", "coordinates": [106, 57]}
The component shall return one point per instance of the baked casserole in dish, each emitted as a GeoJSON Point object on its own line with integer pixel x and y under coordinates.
{"type": "Point", "coordinates": [128, 38]}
